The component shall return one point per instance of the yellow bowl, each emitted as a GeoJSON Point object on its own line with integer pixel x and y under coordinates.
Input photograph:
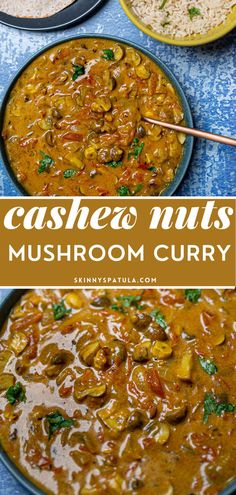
{"type": "Point", "coordinates": [199, 39]}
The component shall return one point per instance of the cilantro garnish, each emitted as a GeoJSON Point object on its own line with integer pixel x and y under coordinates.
{"type": "Point", "coordinates": [114, 164]}
{"type": "Point", "coordinates": [125, 302]}
{"type": "Point", "coordinates": [138, 188]}
{"type": "Point", "coordinates": [79, 70]}
{"type": "Point", "coordinates": [108, 54]}
{"type": "Point", "coordinates": [70, 172]}
{"type": "Point", "coordinates": [128, 301]}
{"type": "Point", "coordinates": [16, 393]}
{"type": "Point", "coordinates": [212, 406]}
{"type": "Point", "coordinates": [137, 149]}
{"type": "Point", "coordinates": [192, 295]}
{"type": "Point", "coordinates": [159, 318]}
{"type": "Point", "coordinates": [124, 191]}
{"type": "Point", "coordinates": [193, 12]}
{"type": "Point", "coordinates": [208, 366]}
{"type": "Point", "coordinates": [59, 310]}
{"type": "Point", "coordinates": [117, 307]}
{"type": "Point", "coordinates": [56, 421]}
{"type": "Point", "coordinates": [45, 163]}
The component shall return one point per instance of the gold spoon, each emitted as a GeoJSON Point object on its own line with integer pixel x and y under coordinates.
{"type": "Point", "coordinates": [193, 132]}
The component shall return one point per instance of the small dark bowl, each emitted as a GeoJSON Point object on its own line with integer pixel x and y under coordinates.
{"type": "Point", "coordinates": [188, 147]}
{"type": "Point", "coordinates": [5, 308]}
{"type": "Point", "coordinates": [74, 13]}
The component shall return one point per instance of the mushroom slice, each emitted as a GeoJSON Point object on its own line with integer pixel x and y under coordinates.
{"type": "Point", "coordinates": [89, 351]}
{"type": "Point", "coordinates": [143, 72]}
{"type": "Point", "coordinates": [4, 358]}
{"type": "Point", "coordinates": [7, 380]}
{"type": "Point", "coordinates": [163, 434]}
{"type": "Point", "coordinates": [141, 320]}
{"type": "Point", "coordinates": [81, 392]}
{"type": "Point", "coordinates": [18, 342]}
{"type": "Point", "coordinates": [101, 302]}
{"type": "Point", "coordinates": [142, 352]}
{"type": "Point", "coordinates": [161, 350]}
{"type": "Point", "coordinates": [59, 361]}
{"type": "Point", "coordinates": [118, 52]}
{"type": "Point", "coordinates": [109, 80]}
{"type": "Point", "coordinates": [176, 414]}
{"type": "Point", "coordinates": [133, 57]}
{"type": "Point", "coordinates": [73, 300]}
{"type": "Point", "coordinates": [114, 417]}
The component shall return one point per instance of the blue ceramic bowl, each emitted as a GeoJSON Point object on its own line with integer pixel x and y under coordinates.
{"type": "Point", "coordinates": [188, 147]}
{"type": "Point", "coordinates": [5, 309]}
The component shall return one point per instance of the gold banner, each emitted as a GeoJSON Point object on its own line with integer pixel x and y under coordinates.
{"type": "Point", "coordinates": [107, 242]}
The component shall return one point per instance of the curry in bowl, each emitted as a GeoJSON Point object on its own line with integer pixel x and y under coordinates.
{"type": "Point", "coordinates": [73, 127]}
{"type": "Point", "coordinates": [121, 391]}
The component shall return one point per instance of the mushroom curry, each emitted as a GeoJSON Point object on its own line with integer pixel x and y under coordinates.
{"type": "Point", "coordinates": [73, 125]}
{"type": "Point", "coordinates": [121, 392]}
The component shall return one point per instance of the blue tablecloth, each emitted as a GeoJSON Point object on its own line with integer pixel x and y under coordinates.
{"type": "Point", "coordinates": [207, 75]}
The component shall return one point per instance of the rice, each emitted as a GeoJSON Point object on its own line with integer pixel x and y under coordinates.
{"type": "Point", "coordinates": [181, 18]}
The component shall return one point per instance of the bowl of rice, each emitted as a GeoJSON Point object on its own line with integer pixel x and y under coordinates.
{"type": "Point", "coordinates": [182, 22]}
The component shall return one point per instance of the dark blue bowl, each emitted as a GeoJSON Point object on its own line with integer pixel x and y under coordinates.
{"type": "Point", "coordinates": [188, 147]}
{"type": "Point", "coordinates": [5, 309]}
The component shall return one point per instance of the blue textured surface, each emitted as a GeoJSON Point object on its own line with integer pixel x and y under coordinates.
{"type": "Point", "coordinates": [207, 75]}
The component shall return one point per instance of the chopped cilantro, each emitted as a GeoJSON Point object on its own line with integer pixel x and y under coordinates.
{"type": "Point", "coordinates": [56, 421]}
{"type": "Point", "coordinates": [108, 54]}
{"type": "Point", "coordinates": [137, 149]}
{"type": "Point", "coordinates": [59, 310]}
{"type": "Point", "coordinates": [152, 169]}
{"type": "Point", "coordinates": [79, 70]}
{"type": "Point", "coordinates": [212, 406]}
{"type": "Point", "coordinates": [128, 301]}
{"type": "Point", "coordinates": [124, 191]}
{"type": "Point", "coordinates": [45, 163]}
{"type": "Point", "coordinates": [114, 164]}
{"type": "Point", "coordinates": [193, 12]}
{"type": "Point", "coordinates": [16, 393]}
{"type": "Point", "coordinates": [117, 307]}
{"type": "Point", "coordinates": [138, 188]}
{"type": "Point", "coordinates": [192, 295]}
{"type": "Point", "coordinates": [159, 318]}
{"type": "Point", "coordinates": [125, 302]}
{"type": "Point", "coordinates": [70, 172]}
{"type": "Point", "coordinates": [208, 366]}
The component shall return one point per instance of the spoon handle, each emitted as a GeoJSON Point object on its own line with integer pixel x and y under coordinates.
{"type": "Point", "coordinates": [194, 132]}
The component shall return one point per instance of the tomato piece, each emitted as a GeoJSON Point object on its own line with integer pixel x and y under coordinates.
{"type": "Point", "coordinates": [72, 136]}
{"type": "Point", "coordinates": [25, 322]}
{"type": "Point", "coordinates": [155, 382]}
{"type": "Point", "coordinates": [143, 166]}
